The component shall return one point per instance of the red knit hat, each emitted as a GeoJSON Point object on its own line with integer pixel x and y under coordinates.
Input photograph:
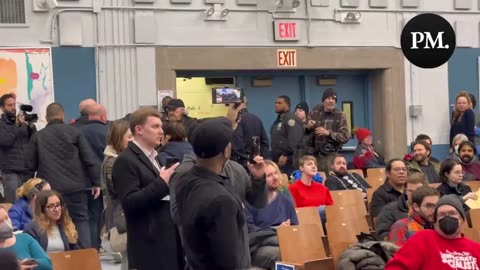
{"type": "Point", "coordinates": [362, 133]}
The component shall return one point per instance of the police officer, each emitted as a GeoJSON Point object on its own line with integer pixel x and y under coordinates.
{"type": "Point", "coordinates": [286, 134]}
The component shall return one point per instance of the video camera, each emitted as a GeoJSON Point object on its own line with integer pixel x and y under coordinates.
{"type": "Point", "coordinates": [29, 117]}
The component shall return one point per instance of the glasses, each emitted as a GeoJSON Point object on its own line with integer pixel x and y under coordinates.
{"type": "Point", "coordinates": [399, 169]}
{"type": "Point", "coordinates": [452, 213]}
{"type": "Point", "coordinates": [429, 206]}
{"type": "Point", "coordinates": [53, 207]}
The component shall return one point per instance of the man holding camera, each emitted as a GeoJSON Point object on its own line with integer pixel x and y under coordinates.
{"type": "Point", "coordinates": [15, 133]}
{"type": "Point", "coordinates": [330, 127]}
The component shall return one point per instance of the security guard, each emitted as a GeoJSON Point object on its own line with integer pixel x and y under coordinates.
{"type": "Point", "coordinates": [286, 135]}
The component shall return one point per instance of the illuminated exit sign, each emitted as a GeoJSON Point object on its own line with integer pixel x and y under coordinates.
{"type": "Point", "coordinates": [285, 30]}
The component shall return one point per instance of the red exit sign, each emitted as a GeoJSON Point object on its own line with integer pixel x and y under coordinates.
{"type": "Point", "coordinates": [286, 58]}
{"type": "Point", "coordinates": [285, 30]}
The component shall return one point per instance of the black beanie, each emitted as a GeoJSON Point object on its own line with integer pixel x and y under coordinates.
{"type": "Point", "coordinates": [452, 200]}
{"type": "Point", "coordinates": [211, 137]}
{"type": "Point", "coordinates": [329, 92]}
{"type": "Point", "coordinates": [175, 103]}
{"type": "Point", "coordinates": [302, 105]}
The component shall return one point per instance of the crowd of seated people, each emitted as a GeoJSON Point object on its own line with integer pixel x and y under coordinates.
{"type": "Point", "coordinates": [400, 207]}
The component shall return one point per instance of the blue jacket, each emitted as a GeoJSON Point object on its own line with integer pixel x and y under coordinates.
{"type": "Point", "coordinates": [20, 214]}
{"type": "Point", "coordinates": [175, 150]}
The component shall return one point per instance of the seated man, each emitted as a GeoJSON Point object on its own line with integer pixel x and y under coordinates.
{"type": "Point", "coordinates": [421, 162]}
{"type": "Point", "coordinates": [396, 173]}
{"type": "Point", "coordinates": [420, 217]}
{"type": "Point", "coordinates": [442, 248]}
{"type": "Point", "coordinates": [470, 164]}
{"type": "Point", "coordinates": [398, 209]}
{"type": "Point", "coordinates": [426, 139]}
{"type": "Point", "coordinates": [341, 179]}
{"type": "Point", "coordinates": [308, 193]}
{"type": "Point", "coordinates": [262, 221]}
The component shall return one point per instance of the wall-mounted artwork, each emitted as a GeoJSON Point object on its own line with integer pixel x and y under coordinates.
{"type": "Point", "coordinates": [27, 72]}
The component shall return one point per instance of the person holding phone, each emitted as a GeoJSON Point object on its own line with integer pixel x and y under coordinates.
{"type": "Point", "coordinates": [28, 251]}
{"type": "Point", "coordinates": [143, 189]}
{"type": "Point", "coordinates": [176, 146]}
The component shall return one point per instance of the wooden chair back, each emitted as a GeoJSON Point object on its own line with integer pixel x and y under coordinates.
{"type": "Point", "coordinates": [7, 206]}
{"type": "Point", "coordinates": [301, 243]}
{"type": "Point", "coordinates": [308, 215]}
{"type": "Point", "coordinates": [81, 259]}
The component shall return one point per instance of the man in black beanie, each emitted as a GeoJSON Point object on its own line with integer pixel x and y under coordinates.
{"type": "Point", "coordinates": [210, 216]}
{"type": "Point", "coordinates": [443, 248]}
{"type": "Point", "coordinates": [330, 127]}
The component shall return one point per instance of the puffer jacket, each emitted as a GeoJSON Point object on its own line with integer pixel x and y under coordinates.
{"type": "Point", "coordinates": [13, 141]}
{"type": "Point", "coordinates": [369, 255]}
{"type": "Point", "coordinates": [61, 154]}
{"type": "Point", "coordinates": [20, 214]}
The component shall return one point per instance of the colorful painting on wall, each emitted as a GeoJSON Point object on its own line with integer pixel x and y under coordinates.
{"type": "Point", "coordinates": [28, 74]}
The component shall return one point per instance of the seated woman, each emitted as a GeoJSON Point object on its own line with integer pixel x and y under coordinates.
{"type": "Point", "coordinates": [262, 222]}
{"type": "Point", "coordinates": [21, 212]}
{"type": "Point", "coordinates": [176, 142]}
{"type": "Point", "coordinates": [451, 175]}
{"type": "Point", "coordinates": [28, 251]}
{"type": "Point", "coordinates": [52, 227]}
{"type": "Point", "coordinates": [365, 155]}
{"type": "Point", "coordinates": [308, 193]}
{"type": "Point", "coordinates": [457, 140]}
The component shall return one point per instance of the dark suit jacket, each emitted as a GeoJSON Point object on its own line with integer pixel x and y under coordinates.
{"type": "Point", "coordinates": [42, 238]}
{"type": "Point", "coordinates": [153, 241]}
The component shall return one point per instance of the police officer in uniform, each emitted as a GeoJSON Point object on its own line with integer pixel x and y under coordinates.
{"type": "Point", "coordinates": [286, 136]}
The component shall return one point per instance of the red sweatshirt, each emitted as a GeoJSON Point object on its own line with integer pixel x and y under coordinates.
{"type": "Point", "coordinates": [428, 250]}
{"type": "Point", "coordinates": [314, 195]}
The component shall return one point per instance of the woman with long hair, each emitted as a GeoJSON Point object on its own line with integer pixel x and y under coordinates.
{"type": "Point", "coordinates": [463, 118]}
{"type": "Point", "coordinates": [21, 213]}
{"type": "Point", "coordinates": [118, 137]}
{"type": "Point", "coordinates": [52, 226]}
{"type": "Point", "coordinates": [451, 175]}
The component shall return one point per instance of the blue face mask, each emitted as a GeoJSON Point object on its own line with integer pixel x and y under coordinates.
{"type": "Point", "coordinates": [6, 230]}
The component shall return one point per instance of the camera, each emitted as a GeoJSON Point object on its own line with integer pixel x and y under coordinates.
{"type": "Point", "coordinates": [328, 147]}
{"type": "Point", "coordinates": [29, 117]}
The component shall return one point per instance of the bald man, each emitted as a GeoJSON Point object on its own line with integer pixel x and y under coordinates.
{"type": "Point", "coordinates": [84, 108]}
{"type": "Point", "coordinates": [95, 131]}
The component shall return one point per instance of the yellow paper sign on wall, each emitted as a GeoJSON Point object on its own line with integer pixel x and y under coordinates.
{"type": "Point", "coordinates": [197, 97]}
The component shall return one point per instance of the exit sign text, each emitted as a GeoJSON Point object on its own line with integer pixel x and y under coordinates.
{"type": "Point", "coordinates": [285, 30]}
{"type": "Point", "coordinates": [286, 58]}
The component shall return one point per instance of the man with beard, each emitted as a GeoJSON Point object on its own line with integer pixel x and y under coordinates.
{"type": "Point", "coordinates": [470, 165]}
{"type": "Point", "coordinates": [341, 179]}
{"type": "Point", "coordinates": [420, 217]}
{"type": "Point", "coordinates": [261, 222]}
{"type": "Point", "coordinates": [421, 162]}
{"type": "Point", "coordinates": [15, 133]}
{"type": "Point", "coordinates": [398, 209]}
{"type": "Point", "coordinates": [442, 248]}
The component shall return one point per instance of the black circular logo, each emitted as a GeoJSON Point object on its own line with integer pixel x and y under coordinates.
{"type": "Point", "coordinates": [428, 40]}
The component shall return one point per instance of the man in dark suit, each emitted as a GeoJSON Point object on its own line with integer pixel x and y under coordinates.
{"type": "Point", "coordinates": [152, 238]}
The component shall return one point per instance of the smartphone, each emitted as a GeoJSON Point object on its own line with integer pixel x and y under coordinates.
{"type": "Point", "coordinates": [227, 95]}
{"type": "Point", "coordinates": [30, 262]}
{"type": "Point", "coordinates": [171, 162]}
{"type": "Point", "coordinates": [255, 151]}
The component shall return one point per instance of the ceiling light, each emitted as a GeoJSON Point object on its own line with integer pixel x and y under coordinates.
{"type": "Point", "coordinates": [295, 3]}
{"type": "Point", "coordinates": [210, 11]}
{"type": "Point", "coordinates": [225, 12]}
